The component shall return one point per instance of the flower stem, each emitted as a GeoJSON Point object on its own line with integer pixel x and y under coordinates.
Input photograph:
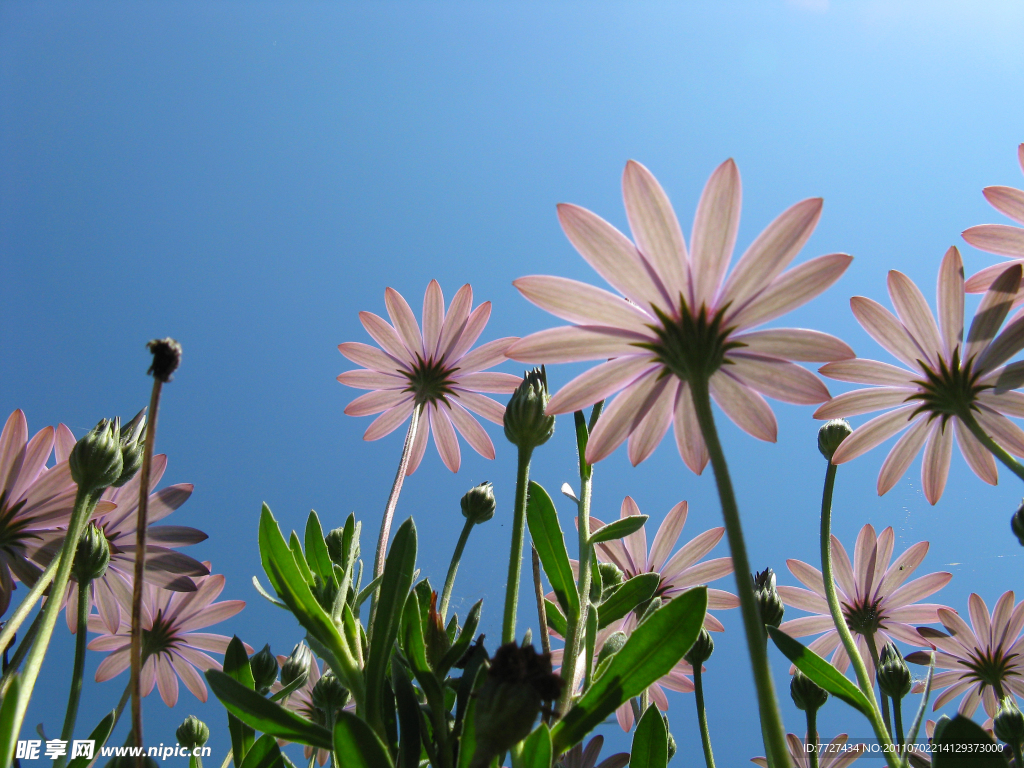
{"type": "Point", "coordinates": [702, 718]}
{"type": "Point", "coordinates": [515, 557]}
{"type": "Point", "coordinates": [25, 607]}
{"type": "Point", "coordinates": [542, 617]}
{"type": "Point", "coordinates": [873, 650]}
{"type": "Point", "coordinates": [139, 582]}
{"type": "Point", "coordinates": [897, 715]}
{"type": "Point", "coordinates": [78, 669]}
{"type": "Point", "coordinates": [832, 597]}
{"type": "Point", "coordinates": [775, 742]}
{"type": "Point", "coordinates": [449, 582]}
{"type": "Point", "coordinates": [812, 734]}
{"type": "Point", "coordinates": [996, 449]}
{"type": "Point", "coordinates": [19, 654]}
{"type": "Point", "coordinates": [85, 503]}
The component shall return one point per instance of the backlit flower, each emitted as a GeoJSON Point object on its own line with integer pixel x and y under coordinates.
{"type": "Point", "coordinates": [873, 594]}
{"type": "Point", "coordinates": [680, 318]}
{"type": "Point", "coordinates": [833, 754]}
{"type": "Point", "coordinates": [949, 379]}
{"type": "Point", "coordinates": [433, 369]}
{"type": "Point", "coordinates": [171, 649]}
{"type": "Point", "coordinates": [578, 757]}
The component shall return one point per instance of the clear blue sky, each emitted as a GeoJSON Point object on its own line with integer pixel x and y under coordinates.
{"type": "Point", "coordinates": [246, 177]}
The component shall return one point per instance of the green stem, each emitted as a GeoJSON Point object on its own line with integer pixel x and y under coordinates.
{"type": "Point", "coordinates": [515, 558]}
{"type": "Point", "coordinates": [897, 715]}
{"type": "Point", "coordinates": [19, 654]}
{"type": "Point", "coordinates": [812, 734]}
{"type": "Point", "coordinates": [120, 705]}
{"type": "Point", "coordinates": [996, 449]}
{"type": "Point", "coordinates": [449, 582]}
{"type": "Point", "coordinates": [25, 607]}
{"type": "Point", "coordinates": [85, 503]}
{"type": "Point", "coordinates": [775, 743]}
{"type": "Point", "coordinates": [702, 718]}
{"type": "Point", "coordinates": [1016, 753]}
{"type": "Point", "coordinates": [79, 667]}
{"type": "Point", "coordinates": [832, 597]}
{"type": "Point", "coordinates": [873, 650]}
{"type": "Point", "coordinates": [542, 616]}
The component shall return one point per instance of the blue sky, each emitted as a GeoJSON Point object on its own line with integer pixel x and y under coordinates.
{"type": "Point", "coordinates": [247, 177]}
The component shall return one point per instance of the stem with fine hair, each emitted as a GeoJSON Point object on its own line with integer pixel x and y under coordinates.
{"type": "Point", "coordinates": [897, 716]}
{"type": "Point", "coordinates": [515, 557]}
{"type": "Point", "coordinates": [542, 617]}
{"type": "Point", "coordinates": [78, 670]}
{"type": "Point", "coordinates": [19, 654]}
{"type": "Point", "coordinates": [997, 450]}
{"type": "Point", "coordinates": [832, 598]}
{"type": "Point", "coordinates": [702, 717]}
{"type": "Point", "coordinates": [140, 564]}
{"type": "Point", "coordinates": [873, 650]}
{"type": "Point", "coordinates": [453, 568]}
{"type": "Point", "coordinates": [812, 735]}
{"type": "Point", "coordinates": [775, 736]}
{"type": "Point", "coordinates": [25, 607]}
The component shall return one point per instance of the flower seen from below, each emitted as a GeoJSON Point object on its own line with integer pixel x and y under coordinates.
{"type": "Point", "coordinates": [433, 369]}
{"type": "Point", "coordinates": [876, 598]}
{"type": "Point", "coordinates": [679, 317]}
{"type": "Point", "coordinates": [949, 381]}
{"type": "Point", "coordinates": [171, 649]}
{"type": "Point", "coordinates": [300, 701]}
{"type": "Point", "coordinates": [833, 754]}
{"type": "Point", "coordinates": [580, 757]}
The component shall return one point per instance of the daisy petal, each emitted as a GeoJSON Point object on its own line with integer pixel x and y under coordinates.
{"type": "Point", "coordinates": [887, 330]}
{"type": "Point", "coordinates": [978, 458]}
{"type": "Point", "coordinates": [455, 321]}
{"type": "Point", "coordinates": [433, 318]}
{"type": "Point", "coordinates": [935, 467]}
{"type": "Point", "coordinates": [667, 535]}
{"type": "Point", "coordinates": [419, 444]}
{"type": "Point", "coordinates": [1007, 200]}
{"type": "Point", "coordinates": [581, 303]}
{"type": "Point", "coordinates": [474, 327]}
{"type": "Point", "coordinates": [745, 407]}
{"type": "Point", "coordinates": [369, 357]}
{"type": "Point", "coordinates": [950, 300]}
{"type": "Point", "coordinates": [383, 333]}
{"type": "Point", "coordinates": [363, 379]}
{"type": "Point", "coordinates": [573, 344]}
{"type": "Point", "coordinates": [486, 355]}
{"type": "Point", "coordinates": [599, 383]}
{"type": "Point", "coordinates": [470, 429]}
{"type": "Point", "coordinates": [864, 401]}
{"type": "Point", "coordinates": [795, 344]}
{"type": "Point", "coordinates": [648, 435]}
{"type": "Point", "coordinates": [996, 238]}
{"type": "Point", "coordinates": [689, 439]}
{"type": "Point", "coordinates": [913, 311]}
{"type": "Point", "coordinates": [376, 402]}
{"type": "Point", "coordinates": [389, 421]}
{"type": "Point", "coordinates": [444, 438]}
{"type": "Point", "coordinates": [403, 320]}
{"type": "Point", "coordinates": [481, 405]}
{"type": "Point", "coordinates": [992, 310]}
{"type": "Point", "coordinates": [623, 415]}
{"type": "Point", "coordinates": [1002, 430]}
{"type": "Point", "coordinates": [776, 378]}
{"type": "Point", "coordinates": [714, 232]}
{"type": "Point", "coordinates": [901, 455]}
{"type": "Point", "coordinates": [790, 290]}
{"type": "Point", "coordinates": [869, 372]}
{"type": "Point", "coordinates": [655, 227]}
{"type": "Point", "coordinates": [488, 381]}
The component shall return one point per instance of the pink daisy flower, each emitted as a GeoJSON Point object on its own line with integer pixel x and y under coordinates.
{"type": "Point", "coordinates": [680, 316]}
{"type": "Point", "coordinates": [170, 648]}
{"type": "Point", "coordinates": [832, 755]}
{"type": "Point", "coordinates": [984, 661]}
{"type": "Point", "coordinates": [432, 369]}
{"type": "Point", "coordinates": [580, 757]}
{"type": "Point", "coordinates": [875, 599]}
{"type": "Point", "coordinates": [950, 381]}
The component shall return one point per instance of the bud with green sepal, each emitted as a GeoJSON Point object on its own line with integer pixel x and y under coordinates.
{"type": "Point", "coordinates": [193, 734]}
{"type": "Point", "coordinates": [264, 669]}
{"type": "Point", "coordinates": [91, 557]}
{"type": "Point", "coordinates": [672, 748]}
{"type": "Point", "coordinates": [701, 649]}
{"type": "Point", "coordinates": [133, 446]}
{"type": "Point", "coordinates": [1017, 524]}
{"type": "Point", "coordinates": [527, 425]}
{"type": "Point", "coordinates": [769, 604]}
{"type": "Point", "coordinates": [295, 670]}
{"type": "Point", "coordinates": [478, 503]}
{"type": "Point", "coordinates": [893, 677]}
{"type": "Point", "coordinates": [700, 652]}
{"type": "Point", "coordinates": [1008, 725]}
{"type": "Point", "coordinates": [611, 646]}
{"type": "Point", "coordinates": [95, 461]}
{"type": "Point", "coordinates": [807, 694]}
{"type": "Point", "coordinates": [831, 434]}
{"type": "Point", "coordinates": [611, 579]}
{"type": "Point", "coordinates": [328, 696]}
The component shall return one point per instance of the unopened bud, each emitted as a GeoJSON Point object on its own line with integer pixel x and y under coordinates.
{"type": "Point", "coordinates": [478, 503]}
{"type": "Point", "coordinates": [264, 669]}
{"type": "Point", "coordinates": [192, 733]}
{"type": "Point", "coordinates": [807, 694]}
{"type": "Point", "coordinates": [893, 673]}
{"type": "Point", "coordinates": [1008, 723]}
{"type": "Point", "coordinates": [166, 358]}
{"type": "Point", "coordinates": [95, 461]}
{"type": "Point", "coordinates": [91, 557]}
{"type": "Point", "coordinates": [671, 739]}
{"type": "Point", "coordinates": [769, 604]}
{"type": "Point", "coordinates": [1017, 524]}
{"type": "Point", "coordinates": [831, 434]}
{"type": "Point", "coordinates": [611, 646]}
{"type": "Point", "coordinates": [701, 649]}
{"type": "Point", "coordinates": [611, 579]}
{"type": "Point", "coordinates": [329, 695]}
{"type": "Point", "coordinates": [296, 666]}
{"type": "Point", "coordinates": [133, 446]}
{"type": "Point", "coordinates": [526, 424]}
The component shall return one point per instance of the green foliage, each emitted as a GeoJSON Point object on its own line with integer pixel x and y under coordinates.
{"type": "Point", "coordinates": [626, 597]}
{"type": "Point", "coordinates": [356, 745]}
{"type": "Point", "coordinates": [537, 749]}
{"type": "Point", "coordinates": [236, 666]}
{"type": "Point", "coordinates": [964, 744]}
{"type": "Point", "coordinates": [650, 741]}
{"type": "Point", "coordinates": [99, 737]}
{"type": "Point", "coordinates": [619, 529]}
{"type": "Point", "coordinates": [263, 754]}
{"type": "Point", "coordinates": [820, 671]}
{"type": "Point", "coordinates": [547, 538]}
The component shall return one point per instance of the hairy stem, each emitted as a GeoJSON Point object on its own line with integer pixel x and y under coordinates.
{"type": "Point", "coordinates": [515, 557]}
{"type": "Point", "coordinates": [453, 568]}
{"type": "Point", "coordinates": [542, 617]}
{"type": "Point", "coordinates": [702, 717]}
{"type": "Point", "coordinates": [81, 631]}
{"type": "Point", "coordinates": [897, 716]}
{"type": "Point", "coordinates": [19, 654]}
{"type": "Point", "coordinates": [873, 650]}
{"type": "Point", "coordinates": [812, 734]}
{"type": "Point", "coordinates": [775, 741]}
{"type": "Point", "coordinates": [25, 607]}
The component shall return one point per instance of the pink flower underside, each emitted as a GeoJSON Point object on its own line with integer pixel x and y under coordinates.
{"type": "Point", "coordinates": [831, 755]}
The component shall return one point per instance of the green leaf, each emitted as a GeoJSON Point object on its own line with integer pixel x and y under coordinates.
{"type": "Point", "coordinates": [300, 558]}
{"type": "Point", "coordinates": [961, 736]}
{"type": "Point", "coordinates": [236, 666]}
{"type": "Point", "coordinates": [356, 745]}
{"type": "Point", "coordinates": [537, 748]}
{"type": "Point", "coordinates": [467, 744]}
{"type": "Point", "coordinates": [652, 650]}
{"type": "Point", "coordinates": [820, 671]}
{"type": "Point", "coordinates": [266, 716]}
{"type": "Point", "coordinates": [394, 589]}
{"type": "Point", "coordinates": [98, 737]}
{"type": "Point", "coordinates": [8, 737]}
{"type": "Point", "coordinates": [650, 742]}
{"type": "Point", "coordinates": [408, 717]}
{"type": "Point", "coordinates": [366, 591]}
{"type": "Point", "coordinates": [619, 529]}
{"type": "Point", "coordinates": [264, 754]}
{"type": "Point", "coordinates": [547, 538]}
{"type": "Point", "coordinates": [267, 595]}
{"type": "Point", "coordinates": [626, 597]}
{"type": "Point", "coordinates": [461, 644]}
{"type": "Point", "coordinates": [416, 651]}
{"type": "Point", "coordinates": [316, 549]}
{"type": "Point", "coordinates": [556, 620]}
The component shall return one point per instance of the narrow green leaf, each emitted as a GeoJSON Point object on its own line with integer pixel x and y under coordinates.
{"type": "Point", "coordinates": [394, 588]}
{"type": "Point", "coordinates": [365, 592]}
{"type": "Point", "coordinates": [963, 744]}
{"type": "Point", "coordinates": [300, 557]}
{"type": "Point", "coordinates": [416, 651]}
{"type": "Point", "coordinates": [267, 595]}
{"type": "Point", "coordinates": [652, 650]}
{"type": "Point", "coordinates": [8, 737]}
{"type": "Point", "coordinates": [98, 737]}
{"type": "Point", "coordinates": [236, 666]}
{"type": "Point", "coordinates": [650, 742]}
{"type": "Point", "coordinates": [317, 557]}
{"type": "Point", "coordinates": [264, 754]}
{"type": "Point", "coordinates": [537, 748]}
{"type": "Point", "coordinates": [266, 716]}
{"type": "Point", "coordinates": [618, 529]}
{"type": "Point", "coordinates": [626, 597]}
{"type": "Point", "coordinates": [461, 644]}
{"type": "Point", "coordinates": [408, 717]}
{"type": "Point", "coordinates": [356, 745]}
{"type": "Point", "coordinates": [467, 744]}
{"type": "Point", "coordinates": [556, 620]}
{"type": "Point", "coordinates": [547, 538]}
{"type": "Point", "coordinates": [820, 671]}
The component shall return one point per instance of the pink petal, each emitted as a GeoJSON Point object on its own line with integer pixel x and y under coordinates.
{"type": "Point", "coordinates": [389, 421]}
{"type": "Point", "coordinates": [212, 614]}
{"type": "Point", "coordinates": [864, 401]}
{"type": "Point", "coordinates": [803, 599]}
{"type": "Point", "coordinates": [883, 554]}
{"type": "Point", "coordinates": [376, 402]}
{"type": "Point", "coordinates": [609, 252]}
{"type": "Point", "coordinates": [776, 378]}
{"type": "Point", "coordinates": [419, 443]}
{"type": "Point", "coordinates": [918, 589]}
{"type": "Point", "coordinates": [363, 379]}
{"type": "Point", "coordinates": [33, 461]}
{"type": "Point", "coordinates": [887, 330]}
{"type": "Point", "coordinates": [920, 613]}
{"type": "Point", "coordinates": [1006, 200]}
{"type": "Point", "coordinates": [636, 542]}
{"type": "Point", "coordinates": [1007, 344]}
{"type": "Point", "coordinates": [807, 625]}
{"type": "Point", "coordinates": [166, 681]}
{"type": "Point", "coordinates": [623, 415]}
{"type": "Point", "coordinates": [599, 383]}
{"type": "Point", "coordinates": [455, 321]}
{"type": "Point", "coordinates": [772, 251]}
{"type": "Point", "coordinates": [12, 443]}
{"type": "Point", "coordinates": [370, 357]}
{"type": "Point", "coordinates": [574, 343]}
{"type": "Point", "coordinates": [873, 433]}
{"type": "Point", "coordinates": [444, 438]}
{"type": "Point", "coordinates": [745, 407]}
{"type": "Point", "coordinates": [979, 616]}
{"type": "Point", "coordinates": [1001, 616]}
{"type": "Point", "coordinates": [489, 381]}
{"type": "Point", "coordinates": [996, 238]}
{"type": "Point", "coordinates": [721, 600]}
{"type": "Point", "coordinates": [904, 566]}
{"type": "Point", "coordinates": [864, 559]}
{"type": "Point", "coordinates": [667, 535]}
{"type": "Point", "coordinates": [1001, 429]}
{"type": "Point", "coordinates": [485, 356]}
{"type": "Point", "coordinates": [433, 318]}
{"type": "Point", "coordinates": [646, 437]}
{"type": "Point", "coordinates": [207, 642]}
{"type": "Point", "coordinates": [689, 439]}
{"type": "Point", "coordinates": [901, 455]}
{"type": "Point", "coordinates": [913, 311]}
{"type": "Point", "coordinates": [935, 466]}
{"type": "Point", "coordinates": [582, 304]}
{"type": "Point", "coordinates": [795, 344]}
{"type": "Point", "coordinates": [992, 310]}
{"type": "Point", "coordinates": [703, 572]}
{"type": "Point", "coordinates": [869, 372]}
{"type": "Point", "coordinates": [63, 442]}
{"type": "Point", "coordinates": [790, 290]}
{"type": "Point", "coordinates": [842, 569]}
{"type": "Point", "coordinates": [807, 575]}
{"type": "Point", "coordinates": [470, 429]}
{"type": "Point", "coordinates": [114, 664]}
{"type": "Point", "coordinates": [655, 228]}
{"type": "Point", "coordinates": [714, 232]}
{"type": "Point", "coordinates": [978, 458]}
{"type": "Point", "coordinates": [481, 405]}
{"type": "Point", "coordinates": [383, 333]}
{"type": "Point", "coordinates": [403, 319]}
{"type": "Point", "coordinates": [950, 300]}
{"type": "Point", "coordinates": [691, 552]}
{"type": "Point", "coordinates": [189, 677]}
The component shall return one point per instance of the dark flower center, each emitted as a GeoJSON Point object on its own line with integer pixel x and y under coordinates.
{"type": "Point", "coordinates": [990, 667]}
{"type": "Point", "coordinates": [952, 390]}
{"type": "Point", "coordinates": [13, 533]}
{"type": "Point", "coordinates": [863, 618]}
{"type": "Point", "coordinates": [429, 381]}
{"type": "Point", "coordinates": [692, 347]}
{"type": "Point", "coordinates": [160, 638]}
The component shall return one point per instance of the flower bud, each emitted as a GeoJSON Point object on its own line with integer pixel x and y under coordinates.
{"type": "Point", "coordinates": [611, 579]}
{"type": "Point", "coordinates": [264, 669]}
{"type": "Point", "coordinates": [611, 646]}
{"type": "Point", "coordinates": [526, 424]}
{"type": "Point", "coordinates": [893, 674]}
{"type": "Point", "coordinates": [671, 739]}
{"type": "Point", "coordinates": [940, 726]}
{"type": "Point", "coordinates": [92, 556]}
{"type": "Point", "coordinates": [95, 461]}
{"type": "Point", "coordinates": [335, 541]}
{"type": "Point", "coordinates": [296, 666]}
{"type": "Point", "coordinates": [478, 503]}
{"type": "Point", "coordinates": [648, 610]}
{"type": "Point", "coordinates": [701, 649]}
{"type": "Point", "coordinates": [1017, 524]}
{"type": "Point", "coordinates": [192, 733]}
{"type": "Point", "coordinates": [807, 694]}
{"type": "Point", "coordinates": [166, 358]}
{"type": "Point", "coordinates": [329, 695]}
{"type": "Point", "coordinates": [769, 604]}
{"type": "Point", "coordinates": [133, 446]}
{"type": "Point", "coordinates": [1008, 723]}
{"type": "Point", "coordinates": [831, 434]}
